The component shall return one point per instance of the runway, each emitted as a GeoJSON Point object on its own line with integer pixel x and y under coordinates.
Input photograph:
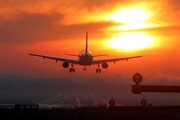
{"type": "Point", "coordinates": [72, 100]}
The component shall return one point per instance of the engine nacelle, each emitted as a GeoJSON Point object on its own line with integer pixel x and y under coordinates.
{"type": "Point", "coordinates": [105, 65]}
{"type": "Point", "coordinates": [65, 64]}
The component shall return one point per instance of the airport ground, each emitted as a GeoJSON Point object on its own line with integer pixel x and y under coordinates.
{"type": "Point", "coordinates": [92, 113]}
{"type": "Point", "coordinates": [54, 92]}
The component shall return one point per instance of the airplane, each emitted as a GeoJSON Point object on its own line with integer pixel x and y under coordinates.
{"type": "Point", "coordinates": [85, 59]}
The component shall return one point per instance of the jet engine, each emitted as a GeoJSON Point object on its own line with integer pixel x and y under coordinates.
{"type": "Point", "coordinates": [105, 65]}
{"type": "Point", "coordinates": [65, 64]}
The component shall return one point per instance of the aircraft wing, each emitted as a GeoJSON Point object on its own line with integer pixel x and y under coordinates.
{"type": "Point", "coordinates": [56, 58]}
{"type": "Point", "coordinates": [114, 59]}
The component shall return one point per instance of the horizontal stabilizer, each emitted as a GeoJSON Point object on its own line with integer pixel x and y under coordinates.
{"type": "Point", "coordinates": [100, 55]}
{"type": "Point", "coordinates": [72, 55]}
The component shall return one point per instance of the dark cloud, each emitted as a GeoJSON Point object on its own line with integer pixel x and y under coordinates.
{"type": "Point", "coordinates": [43, 27]}
{"type": "Point", "coordinates": [100, 3]}
{"type": "Point", "coordinates": [27, 27]}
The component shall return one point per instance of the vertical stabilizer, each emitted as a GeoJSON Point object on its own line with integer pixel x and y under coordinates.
{"type": "Point", "coordinates": [86, 42]}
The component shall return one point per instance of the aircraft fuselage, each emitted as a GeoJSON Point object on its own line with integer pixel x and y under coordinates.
{"type": "Point", "coordinates": [85, 58]}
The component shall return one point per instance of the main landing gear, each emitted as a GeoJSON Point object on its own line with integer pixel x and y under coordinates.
{"type": "Point", "coordinates": [84, 68]}
{"type": "Point", "coordinates": [72, 69]}
{"type": "Point", "coordinates": [98, 70]}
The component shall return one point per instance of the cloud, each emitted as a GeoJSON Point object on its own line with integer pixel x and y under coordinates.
{"type": "Point", "coordinates": [27, 28]}
{"type": "Point", "coordinates": [43, 27]}
{"type": "Point", "coordinates": [36, 20]}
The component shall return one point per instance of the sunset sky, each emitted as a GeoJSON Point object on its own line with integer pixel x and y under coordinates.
{"type": "Point", "coordinates": [119, 28]}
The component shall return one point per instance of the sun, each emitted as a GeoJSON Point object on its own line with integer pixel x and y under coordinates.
{"type": "Point", "coordinates": [131, 41]}
{"type": "Point", "coordinates": [135, 19]}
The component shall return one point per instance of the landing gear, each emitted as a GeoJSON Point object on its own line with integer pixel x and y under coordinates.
{"type": "Point", "coordinates": [84, 68]}
{"type": "Point", "coordinates": [98, 70]}
{"type": "Point", "coordinates": [72, 69]}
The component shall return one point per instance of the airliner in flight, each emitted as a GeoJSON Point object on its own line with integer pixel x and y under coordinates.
{"type": "Point", "coordinates": [85, 59]}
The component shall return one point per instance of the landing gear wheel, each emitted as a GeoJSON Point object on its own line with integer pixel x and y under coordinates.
{"type": "Point", "coordinates": [72, 70]}
{"type": "Point", "coordinates": [98, 70]}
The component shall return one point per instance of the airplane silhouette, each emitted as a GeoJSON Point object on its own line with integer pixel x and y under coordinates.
{"type": "Point", "coordinates": [85, 59]}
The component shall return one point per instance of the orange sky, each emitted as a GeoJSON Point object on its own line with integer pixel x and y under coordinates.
{"type": "Point", "coordinates": [119, 28]}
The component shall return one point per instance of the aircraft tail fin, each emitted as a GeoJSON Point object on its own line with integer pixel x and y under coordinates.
{"type": "Point", "coordinates": [86, 49]}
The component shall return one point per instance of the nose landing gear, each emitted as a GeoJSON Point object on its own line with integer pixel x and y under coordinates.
{"type": "Point", "coordinates": [84, 68]}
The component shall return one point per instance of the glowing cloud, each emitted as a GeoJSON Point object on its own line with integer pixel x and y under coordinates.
{"type": "Point", "coordinates": [129, 16]}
